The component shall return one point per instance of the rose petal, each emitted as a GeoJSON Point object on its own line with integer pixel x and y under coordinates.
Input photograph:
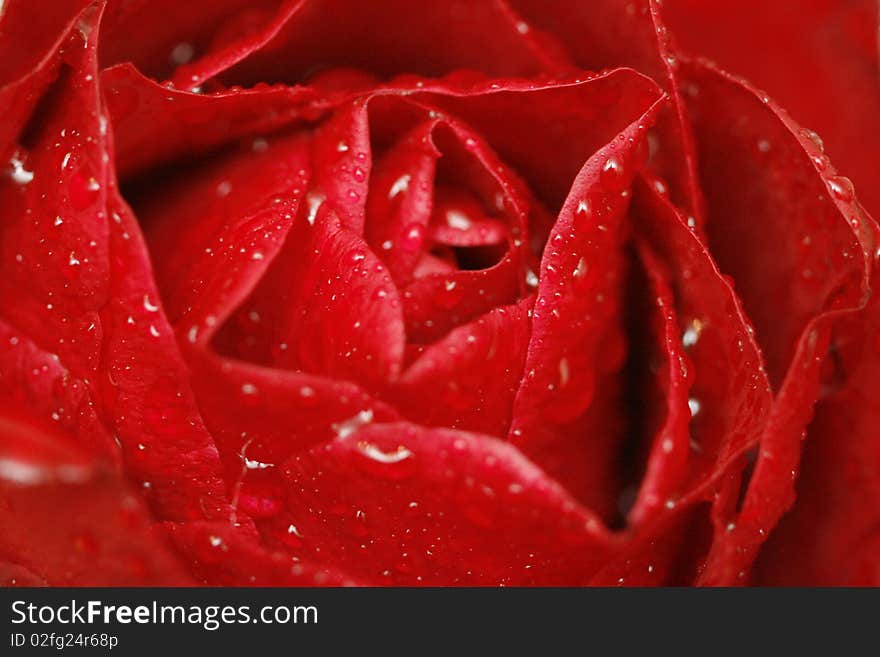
{"type": "Point", "coordinates": [468, 379]}
{"type": "Point", "coordinates": [342, 160]}
{"type": "Point", "coordinates": [214, 233]}
{"type": "Point", "coordinates": [30, 40]}
{"type": "Point", "coordinates": [219, 555]}
{"type": "Point", "coordinates": [69, 521]}
{"type": "Point", "coordinates": [53, 249]}
{"type": "Point", "coordinates": [829, 537]}
{"type": "Point", "coordinates": [85, 292]}
{"type": "Point", "coordinates": [686, 498]}
{"type": "Point", "coordinates": [608, 33]}
{"type": "Point", "coordinates": [730, 398]}
{"type": "Point", "coordinates": [156, 125]}
{"type": "Point", "coordinates": [804, 247]}
{"type": "Point", "coordinates": [37, 381]}
{"type": "Point", "coordinates": [665, 415]}
{"type": "Point", "coordinates": [802, 258]}
{"type": "Point", "coordinates": [330, 300]}
{"type": "Point", "coordinates": [266, 415]}
{"type": "Point", "coordinates": [399, 205]}
{"type": "Point", "coordinates": [401, 504]}
{"type": "Point", "coordinates": [818, 59]}
{"type": "Point", "coordinates": [576, 332]}
{"type": "Point", "coordinates": [394, 36]}
{"type": "Point", "coordinates": [146, 391]}
{"type": "Point", "coordinates": [238, 36]}
{"type": "Point", "coordinates": [141, 32]}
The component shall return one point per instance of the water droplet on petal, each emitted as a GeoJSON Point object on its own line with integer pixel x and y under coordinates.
{"type": "Point", "coordinates": [397, 463]}
{"type": "Point", "coordinates": [371, 451]}
{"type": "Point", "coordinates": [813, 138]}
{"type": "Point", "coordinates": [612, 174]}
{"type": "Point", "coordinates": [352, 424]}
{"type": "Point", "coordinates": [841, 188]}
{"type": "Point", "coordinates": [458, 220]}
{"type": "Point", "coordinates": [413, 236]}
{"type": "Point", "coordinates": [400, 185]}
{"type": "Point", "coordinates": [149, 306]}
{"type": "Point", "coordinates": [583, 209]}
{"type": "Point", "coordinates": [691, 335]}
{"type": "Point", "coordinates": [83, 190]}
{"type": "Point", "coordinates": [314, 200]}
{"type": "Point", "coordinates": [253, 464]}
{"type": "Point", "coordinates": [19, 174]}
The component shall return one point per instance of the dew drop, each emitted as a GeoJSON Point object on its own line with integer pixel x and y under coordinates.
{"type": "Point", "coordinates": [413, 236]}
{"type": "Point", "coordinates": [83, 191]}
{"type": "Point", "coordinates": [813, 138]}
{"type": "Point", "coordinates": [400, 185]}
{"type": "Point", "coordinates": [841, 188]}
{"type": "Point", "coordinates": [451, 295]}
{"type": "Point", "coordinates": [19, 174]}
{"type": "Point", "coordinates": [353, 424]}
{"type": "Point", "coordinates": [314, 200]}
{"type": "Point", "coordinates": [372, 452]}
{"type": "Point", "coordinates": [531, 279]}
{"type": "Point", "coordinates": [612, 174]}
{"type": "Point", "coordinates": [253, 464]}
{"type": "Point", "coordinates": [691, 335]}
{"type": "Point", "coordinates": [458, 220]}
{"type": "Point", "coordinates": [149, 306]}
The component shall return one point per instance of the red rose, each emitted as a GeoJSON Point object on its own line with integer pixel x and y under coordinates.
{"type": "Point", "coordinates": [325, 292]}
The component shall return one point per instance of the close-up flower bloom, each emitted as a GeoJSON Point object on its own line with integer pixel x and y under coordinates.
{"type": "Point", "coordinates": [439, 293]}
